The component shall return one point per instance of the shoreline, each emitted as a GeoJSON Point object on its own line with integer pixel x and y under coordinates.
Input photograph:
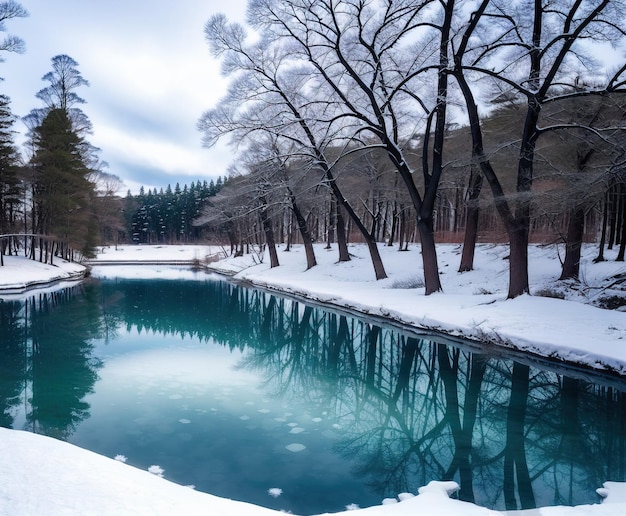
{"type": "Point", "coordinates": [491, 347]}
{"type": "Point", "coordinates": [486, 322]}
{"type": "Point", "coordinates": [76, 274]}
{"type": "Point", "coordinates": [42, 286]}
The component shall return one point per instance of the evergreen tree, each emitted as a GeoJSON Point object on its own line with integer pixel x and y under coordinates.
{"type": "Point", "coordinates": [62, 192]}
{"type": "Point", "coordinates": [64, 162]}
{"type": "Point", "coordinates": [10, 186]}
{"type": "Point", "coordinates": [167, 215]}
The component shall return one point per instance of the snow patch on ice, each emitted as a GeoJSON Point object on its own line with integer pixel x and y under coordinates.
{"type": "Point", "coordinates": [156, 470]}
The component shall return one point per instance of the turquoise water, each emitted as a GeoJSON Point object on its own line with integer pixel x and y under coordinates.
{"type": "Point", "coordinates": [264, 399]}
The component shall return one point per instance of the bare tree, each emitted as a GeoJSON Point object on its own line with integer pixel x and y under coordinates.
{"type": "Point", "coordinates": [8, 11]}
{"type": "Point", "coordinates": [385, 66]}
{"type": "Point", "coordinates": [64, 79]}
{"type": "Point", "coordinates": [272, 95]}
{"type": "Point", "coordinates": [107, 204]}
{"type": "Point", "coordinates": [534, 51]}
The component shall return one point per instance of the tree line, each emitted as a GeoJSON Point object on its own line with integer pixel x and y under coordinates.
{"type": "Point", "coordinates": [455, 110]}
{"type": "Point", "coordinates": [59, 200]}
{"type": "Point", "coordinates": [47, 199]}
{"type": "Point", "coordinates": [167, 216]}
{"type": "Point", "coordinates": [388, 122]}
{"type": "Point", "coordinates": [54, 200]}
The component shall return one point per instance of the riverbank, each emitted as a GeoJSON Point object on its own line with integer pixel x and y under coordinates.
{"type": "Point", "coordinates": [560, 320]}
{"type": "Point", "coordinates": [19, 274]}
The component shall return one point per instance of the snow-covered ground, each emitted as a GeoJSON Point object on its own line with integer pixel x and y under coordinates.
{"type": "Point", "coordinates": [39, 475]}
{"type": "Point", "coordinates": [20, 274]}
{"type": "Point", "coordinates": [43, 476]}
{"type": "Point", "coordinates": [473, 304]}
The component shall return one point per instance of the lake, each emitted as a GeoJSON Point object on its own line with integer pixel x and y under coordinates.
{"type": "Point", "coordinates": [269, 400]}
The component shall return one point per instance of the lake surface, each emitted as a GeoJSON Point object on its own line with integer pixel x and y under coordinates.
{"type": "Point", "coordinates": [265, 399]}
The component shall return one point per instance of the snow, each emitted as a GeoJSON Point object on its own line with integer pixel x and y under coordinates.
{"type": "Point", "coordinates": [472, 305]}
{"type": "Point", "coordinates": [46, 476]}
{"type": "Point", "coordinates": [19, 274]}
{"type": "Point", "coordinates": [275, 492]}
{"type": "Point", "coordinates": [157, 253]}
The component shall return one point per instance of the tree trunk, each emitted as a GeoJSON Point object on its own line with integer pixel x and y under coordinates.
{"type": "Point", "coordinates": [429, 256]}
{"type": "Point", "coordinates": [394, 224]}
{"type": "Point", "coordinates": [518, 261]}
{"type": "Point", "coordinates": [269, 236]}
{"type": "Point", "coordinates": [377, 263]}
{"type": "Point", "coordinates": [613, 208]}
{"type": "Point", "coordinates": [332, 221]}
{"type": "Point", "coordinates": [622, 242]}
{"type": "Point", "coordinates": [471, 224]}
{"type": "Point", "coordinates": [342, 243]}
{"type": "Point", "coordinates": [605, 215]}
{"type": "Point", "coordinates": [385, 221]}
{"type": "Point", "coordinates": [401, 229]}
{"type": "Point", "coordinates": [307, 240]}
{"type": "Point", "coordinates": [573, 244]}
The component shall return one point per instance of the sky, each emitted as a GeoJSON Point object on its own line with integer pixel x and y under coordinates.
{"type": "Point", "coordinates": [151, 77]}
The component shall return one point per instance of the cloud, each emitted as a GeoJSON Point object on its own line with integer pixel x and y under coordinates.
{"type": "Point", "coordinates": [151, 77]}
{"type": "Point", "coordinates": [154, 151]}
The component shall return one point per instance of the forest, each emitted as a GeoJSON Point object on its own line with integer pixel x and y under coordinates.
{"type": "Point", "coordinates": [386, 123]}
{"type": "Point", "coordinates": [324, 88]}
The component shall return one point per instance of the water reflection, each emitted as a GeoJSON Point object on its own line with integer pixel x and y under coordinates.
{"type": "Point", "coordinates": [402, 410]}
{"type": "Point", "coordinates": [47, 355]}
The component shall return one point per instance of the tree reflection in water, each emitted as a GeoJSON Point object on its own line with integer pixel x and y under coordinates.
{"type": "Point", "coordinates": [46, 357]}
{"type": "Point", "coordinates": [410, 408]}
{"type": "Point", "coordinates": [417, 409]}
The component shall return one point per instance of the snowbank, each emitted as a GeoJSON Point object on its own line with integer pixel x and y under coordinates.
{"type": "Point", "coordinates": [46, 476]}
{"type": "Point", "coordinates": [20, 274]}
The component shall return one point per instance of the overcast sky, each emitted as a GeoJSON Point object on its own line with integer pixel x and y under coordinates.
{"type": "Point", "coordinates": [151, 77]}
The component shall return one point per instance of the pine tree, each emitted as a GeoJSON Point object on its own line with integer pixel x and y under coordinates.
{"type": "Point", "coordinates": [62, 193]}
{"type": "Point", "coordinates": [11, 193]}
